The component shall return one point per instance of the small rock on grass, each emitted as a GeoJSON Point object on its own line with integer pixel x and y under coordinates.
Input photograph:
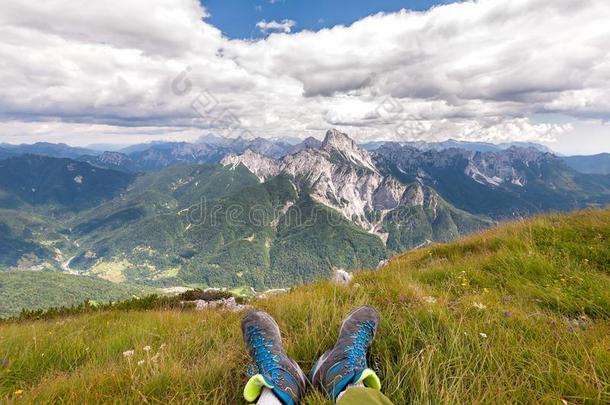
{"type": "Point", "coordinates": [228, 304]}
{"type": "Point", "coordinates": [382, 264]}
{"type": "Point", "coordinates": [342, 277]}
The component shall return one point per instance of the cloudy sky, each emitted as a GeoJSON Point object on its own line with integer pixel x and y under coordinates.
{"type": "Point", "coordinates": [138, 70]}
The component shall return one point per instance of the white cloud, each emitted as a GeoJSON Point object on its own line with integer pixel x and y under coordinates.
{"type": "Point", "coordinates": [17, 132]}
{"type": "Point", "coordinates": [274, 26]}
{"type": "Point", "coordinates": [476, 70]}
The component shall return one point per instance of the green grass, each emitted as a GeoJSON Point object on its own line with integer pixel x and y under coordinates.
{"type": "Point", "coordinates": [27, 290]}
{"type": "Point", "coordinates": [537, 290]}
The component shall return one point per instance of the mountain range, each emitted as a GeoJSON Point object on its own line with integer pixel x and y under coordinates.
{"type": "Point", "coordinates": [592, 164]}
{"type": "Point", "coordinates": [262, 213]}
{"type": "Point", "coordinates": [210, 148]}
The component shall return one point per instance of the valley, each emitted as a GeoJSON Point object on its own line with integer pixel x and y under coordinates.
{"type": "Point", "coordinates": [235, 213]}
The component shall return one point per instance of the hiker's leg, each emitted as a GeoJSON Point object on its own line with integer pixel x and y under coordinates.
{"type": "Point", "coordinates": [268, 398]}
{"type": "Point", "coordinates": [345, 365]}
{"type": "Point", "coordinates": [280, 380]}
{"type": "Point", "coordinates": [362, 396]}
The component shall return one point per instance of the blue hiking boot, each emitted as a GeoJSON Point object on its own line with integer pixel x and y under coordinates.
{"type": "Point", "coordinates": [345, 364]}
{"type": "Point", "coordinates": [276, 371]}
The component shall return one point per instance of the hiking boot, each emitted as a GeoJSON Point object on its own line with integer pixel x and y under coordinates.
{"type": "Point", "coordinates": [276, 371]}
{"type": "Point", "coordinates": [345, 364]}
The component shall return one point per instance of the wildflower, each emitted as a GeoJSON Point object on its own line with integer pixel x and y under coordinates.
{"type": "Point", "coordinates": [129, 353]}
{"type": "Point", "coordinates": [146, 348]}
{"type": "Point", "coordinates": [430, 300]}
{"type": "Point", "coordinates": [19, 392]}
{"type": "Point", "coordinates": [5, 362]}
{"type": "Point", "coordinates": [479, 306]}
{"type": "Point", "coordinates": [140, 362]}
{"type": "Point", "coordinates": [485, 290]}
{"type": "Point", "coordinates": [483, 335]}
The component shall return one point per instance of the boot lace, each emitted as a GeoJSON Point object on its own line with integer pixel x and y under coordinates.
{"type": "Point", "coordinates": [356, 352]}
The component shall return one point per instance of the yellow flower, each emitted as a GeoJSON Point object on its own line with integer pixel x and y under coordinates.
{"type": "Point", "coordinates": [19, 392]}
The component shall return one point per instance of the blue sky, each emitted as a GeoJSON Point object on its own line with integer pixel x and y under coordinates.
{"type": "Point", "coordinates": [239, 18]}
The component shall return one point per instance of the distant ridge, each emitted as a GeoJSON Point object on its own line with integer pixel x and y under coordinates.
{"type": "Point", "coordinates": [593, 164]}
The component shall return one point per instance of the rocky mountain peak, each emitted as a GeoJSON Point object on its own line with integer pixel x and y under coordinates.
{"type": "Point", "coordinates": [113, 157]}
{"type": "Point", "coordinates": [259, 165]}
{"type": "Point", "coordinates": [312, 143]}
{"type": "Point", "coordinates": [507, 166]}
{"type": "Point", "coordinates": [308, 143]}
{"type": "Point", "coordinates": [341, 144]}
{"type": "Point", "coordinates": [335, 139]}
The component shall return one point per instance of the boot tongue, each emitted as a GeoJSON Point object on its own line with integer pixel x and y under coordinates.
{"type": "Point", "coordinates": [255, 386]}
{"type": "Point", "coordinates": [369, 379]}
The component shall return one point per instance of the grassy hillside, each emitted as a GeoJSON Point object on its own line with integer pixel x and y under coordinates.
{"type": "Point", "coordinates": [518, 314]}
{"type": "Point", "coordinates": [29, 241]}
{"type": "Point", "coordinates": [58, 185]}
{"type": "Point", "coordinates": [409, 227]}
{"type": "Point", "coordinates": [244, 233]}
{"type": "Point", "coordinates": [38, 290]}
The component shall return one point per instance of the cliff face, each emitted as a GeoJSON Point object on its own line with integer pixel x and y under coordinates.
{"type": "Point", "coordinates": [344, 177]}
